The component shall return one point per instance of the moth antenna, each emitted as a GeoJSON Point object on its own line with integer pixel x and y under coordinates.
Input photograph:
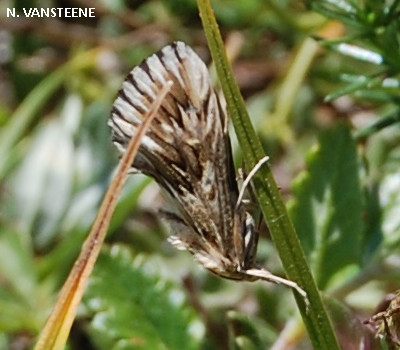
{"type": "Point", "coordinates": [265, 275]}
{"type": "Point", "coordinates": [248, 179]}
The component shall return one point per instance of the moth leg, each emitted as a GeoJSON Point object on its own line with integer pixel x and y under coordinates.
{"type": "Point", "coordinates": [265, 275]}
{"type": "Point", "coordinates": [246, 182]}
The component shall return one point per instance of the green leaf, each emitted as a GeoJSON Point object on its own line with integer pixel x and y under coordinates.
{"type": "Point", "coordinates": [137, 310]}
{"type": "Point", "coordinates": [358, 53]}
{"type": "Point", "coordinates": [385, 121]}
{"type": "Point", "coordinates": [328, 208]}
{"type": "Point", "coordinates": [363, 82]}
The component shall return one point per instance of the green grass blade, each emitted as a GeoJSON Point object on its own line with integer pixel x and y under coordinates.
{"type": "Point", "coordinates": [282, 230]}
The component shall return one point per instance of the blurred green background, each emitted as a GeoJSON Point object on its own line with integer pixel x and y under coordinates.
{"type": "Point", "coordinates": [321, 82]}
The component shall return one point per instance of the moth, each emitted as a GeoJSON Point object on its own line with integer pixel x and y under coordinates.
{"type": "Point", "coordinates": [187, 151]}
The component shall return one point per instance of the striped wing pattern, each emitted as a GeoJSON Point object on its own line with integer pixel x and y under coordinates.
{"type": "Point", "coordinates": [186, 150]}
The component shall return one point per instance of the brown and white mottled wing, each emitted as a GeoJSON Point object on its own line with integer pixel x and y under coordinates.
{"type": "Point", "coordinates": [186, 149]}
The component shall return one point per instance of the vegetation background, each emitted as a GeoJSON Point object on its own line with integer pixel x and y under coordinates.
{"type": "Point", "coordinates": [321, 82]}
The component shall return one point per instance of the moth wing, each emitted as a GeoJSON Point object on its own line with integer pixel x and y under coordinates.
{"type": "Point", "coordinates": [186, 148]}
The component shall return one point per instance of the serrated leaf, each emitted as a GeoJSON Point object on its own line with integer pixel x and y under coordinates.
{"type": "Point", "coordinates": [136, 310]}
{"type": "Point", "coordinates": [327, 211]}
